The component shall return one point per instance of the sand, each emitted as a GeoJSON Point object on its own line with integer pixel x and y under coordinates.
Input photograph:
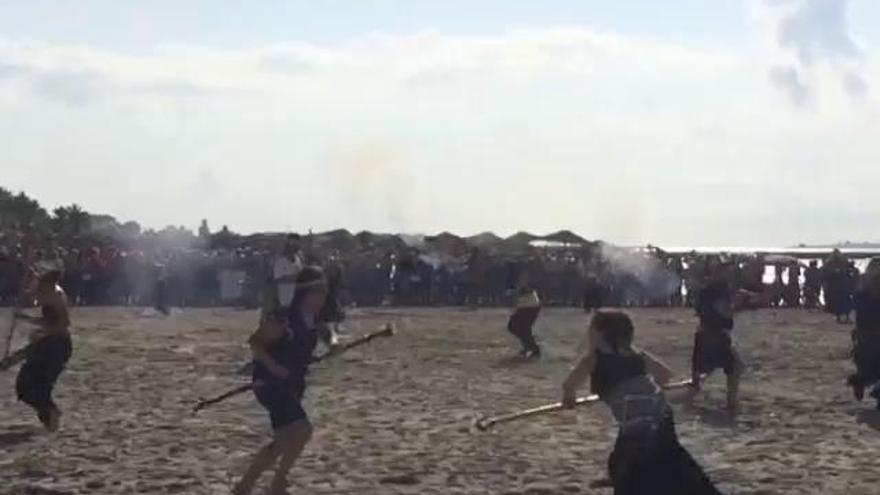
{"type": "Point", "coordinates": [395, 416]}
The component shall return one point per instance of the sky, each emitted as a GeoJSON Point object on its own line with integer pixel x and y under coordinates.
{"type": "Point", "coordinates": [683, 122]}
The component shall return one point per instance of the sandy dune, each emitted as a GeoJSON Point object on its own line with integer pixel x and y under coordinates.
{"type": "Point", "coordinates": [395, 416]}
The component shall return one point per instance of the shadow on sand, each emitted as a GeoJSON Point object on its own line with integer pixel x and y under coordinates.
{"type": "Point", "coordinates": [512, 362]}
{"type": "Point", "coordinates": [716, 418]}
{"type": "Point", "coordinates": [15, 437]}
{"type": "Point", "coordinates": [869, 417]}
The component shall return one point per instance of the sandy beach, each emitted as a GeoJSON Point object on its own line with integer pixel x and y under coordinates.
{"type": "Point", "coordinates": [395, 416]}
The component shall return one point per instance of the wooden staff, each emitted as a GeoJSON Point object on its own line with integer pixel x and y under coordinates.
{"type": "Point", "coordinates": [19, 304]}
{"type": "Point", "coordinates": [10, 333]}
{"type": "Point", "coordinates": [387, 331]}
{"type": "Point", "coordinates": [485, 423]}
{"type": "Point", "coordinates": [14, 358]}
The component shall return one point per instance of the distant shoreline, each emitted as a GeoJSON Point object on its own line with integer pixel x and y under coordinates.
{"type": "Point", "coordinates": [797, 252]}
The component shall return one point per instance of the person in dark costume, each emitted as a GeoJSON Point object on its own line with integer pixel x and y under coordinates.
{"type": "Point", "coordinates": [283, 348]}
{"type": "Point", "coordinates": [160, 291]}
{"type": "Point", "coordinates": [713, 345]}
{"type": "Point", "coordinates": [812, 285]}
{"type": "Point", "coordinates": [521, 322]}
{"type": "Point", "coordinates": [333, 312]}
{"type": "Point", "coordinates": [866, 335]}
{"type": "Point", "coordinates": [48, 352]}
{"type": "Point", "coordinates": [838, 300]}
{"type": "Point", "coordinates": [647, 458]}
{"type": "Point", "coordinates": [793, 288]}
{"type": "Point", "coordinates": [851, 287]}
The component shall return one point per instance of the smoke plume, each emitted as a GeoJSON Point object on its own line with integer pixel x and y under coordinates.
{"type": "Point", "coordinates": [813, 33]}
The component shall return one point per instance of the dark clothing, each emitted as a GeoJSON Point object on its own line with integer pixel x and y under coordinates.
{"type": "Point", "coordinates": [866, 339]}
{"type": "Point", "coordinates": [40, 371]}
{"type": "Point", "coordinates": [332, 312]}
{"type": "Point", "coordinates": [714, 305]}
{"type": "Point", "coordinates": [656, 466]}
{"type": "Point", "coordinates": [613, 369]}
{"type": "Point", "coordinates": [713, 347]}
{"type": "Point", "coordinates": [161, 297]}
{"type": "Point", "coordinates": [713, 350]}
{"type": "Point", "coordinates": [647, 458]}
{"type": "Point", "coordinates": [520, 325]}
{"type": "Point", "coordinates": [51, 317]}
{"type": "Point", "coordinates": [284, 405]}
{"type": "Point", "coordinates": [867, 312]}
{"type": "Point", "coordinates": [282, 397]}
{"type": "Point", "coordinates": [593, 294]}
{"type": "Point", "coordinates": [838, 293]}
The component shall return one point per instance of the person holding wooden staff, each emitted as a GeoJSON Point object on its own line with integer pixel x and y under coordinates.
{"type": "Point", "coordinates": [48, 352]}
{"type": "Point", "coordinates": [647, 458]}
{"type": "Point", "coordinates": [713, 345]}
{"type": "Point", "coordinates": [283, 348]}
{"type": "Point", "coordinates": [522, 320]}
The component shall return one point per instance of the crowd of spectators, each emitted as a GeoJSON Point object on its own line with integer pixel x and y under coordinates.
{"type": "Point", "coordinates": [388, 271]}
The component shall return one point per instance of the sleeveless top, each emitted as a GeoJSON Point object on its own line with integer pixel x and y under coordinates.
{"type": "Point", "coordinates": [294, 351]}
{"type": "Point", "coordinates": [636, 402]}
{"type": "Point", "coordinates": [612, 369]}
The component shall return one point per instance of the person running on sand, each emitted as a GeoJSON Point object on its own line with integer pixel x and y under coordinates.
{"type": "Point", "coordinates": [48, 352]}
{"type": "Point", "coordinates": [332, 314]}
{"type": "Point", "coordinates": [282, 348]}
{"type": "Point", "coordinates": [647, 458]}
{"type": "Point", "coordinates": [528, 306]}
{"type": "Point", "coordinates": [713, 345]}
{"type": "Point", "coordinates": [866, 335]}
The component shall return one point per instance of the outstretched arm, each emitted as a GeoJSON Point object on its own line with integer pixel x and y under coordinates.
{"type": "Point", "coordinates": [576, 377]}
{"type": "Point", "coordinates": [658, 369]}
{"type": "Point", "coordinates": [28, 318]}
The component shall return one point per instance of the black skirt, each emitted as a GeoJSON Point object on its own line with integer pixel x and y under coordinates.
{"type": "Point", "coordinates": [284, 404]}
{"type": "Point", "coordinates": [45, 362]}
{"type": "Point", "coordinates": [713, 349]}
{"type": "Point", "coordinates": [656, 464]}
{"type": "Point", "coordinates": [332, 312]}
{"type": "Point", "coordinates": [866, 356]}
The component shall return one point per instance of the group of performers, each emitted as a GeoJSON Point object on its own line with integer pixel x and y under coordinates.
{"type": "Point", "coordinates": [647, 456]}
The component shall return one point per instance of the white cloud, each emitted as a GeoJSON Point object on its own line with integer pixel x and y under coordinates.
{"type": "Point", "coordinates": [621, 138]}
{"type": "Point", "coordinates": [816, 33]}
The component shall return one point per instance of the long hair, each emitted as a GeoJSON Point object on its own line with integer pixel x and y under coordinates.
{"type": "Point", "coordinates": [871, 278]}
{"type": "Point", "coordinates": [615, 327]}
{"type": "Point", "coordinates": [49, 280]}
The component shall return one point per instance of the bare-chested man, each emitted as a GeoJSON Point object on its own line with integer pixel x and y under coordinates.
{"type": "Point", "coordinates": [48, 352]}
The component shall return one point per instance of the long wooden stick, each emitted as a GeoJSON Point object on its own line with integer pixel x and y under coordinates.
{"type": "Point", "coordinates": [387, 331]}
{"type": "Point", "coordinates": [485, 422]}
{"type": "Point", "coordinates": [11, 333]}
{"type": "Point", "coordinates": [18, 305]}
{"type": "Point", "coordinates": [14, 358]}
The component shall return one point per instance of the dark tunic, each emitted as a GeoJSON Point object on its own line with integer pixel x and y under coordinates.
{"type": "Point", "coordinates": [521, 322]}
{"type": "Point", "coordinates": [46, 359]}
{"type": "Point", "coordinates": [647, 458]}
{"type": "Point", "coordinates": [713, 346]}
{"type": "Point", "coordinates": [613, 369]}
{"type": "Point", "coordinates": [866, 337]}
{"type": "Point", "coordinates": [283, 397]}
